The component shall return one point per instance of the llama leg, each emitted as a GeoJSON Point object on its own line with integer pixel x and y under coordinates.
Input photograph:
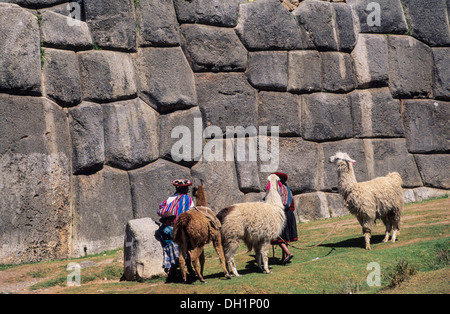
{"type": "Point", "coordinates": [229, 255]}
{"type": "Point", "coordinates": [217, 242]}
{"type": "Point", "coordinates": [182, 261]}
{"type": "Point", "coordinates": [265, 257]}
{"type": "Point", "coordinates": [195, 254]}
{"type": "Point", "coordinates": [258, 256]}
{"type": "Point", "coordinates": [396, 231]}
{"type": "Point", "coordinates": [388, 230]}
{"type": "Point", "coordinates": [202, 262]}
{"type": "Point", "coordinates": [367, 234]}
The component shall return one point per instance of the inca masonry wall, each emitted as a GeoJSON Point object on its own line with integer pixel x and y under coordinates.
{"type": "Point", "coordinates": [88, 105]}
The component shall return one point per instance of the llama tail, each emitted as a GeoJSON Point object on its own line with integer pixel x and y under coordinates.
{"type": "Point", "coordinates": [396, 177]}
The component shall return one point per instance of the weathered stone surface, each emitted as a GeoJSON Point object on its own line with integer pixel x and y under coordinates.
{"type": "Point", "coordinates": [152, 184]}
{"type": "Point", "coordinates": [427, 127]}
{"type": "Point", "coordinates": [326, 117]}
{"type": "Point", "coordinates": [189, 131]}
{"type": "Point", "coordinates": [106, 75]}
{"type": "Point", "coordinates": [35, 3]}
{"type": "Point", "coordinates": [166, 79]}
{"type": "Point", "coordinates": [143, 254]}
{"type": "Point", "coordinates": [391, 17]}
{"type": "Point", "coordinates": [246, 161]}
{"type": "Point", "coordinates": [62, 80]}
{"type": "Point", "coordinates": [88, 141]}
{"type": "Point", "coordinates": [20, 61]}
{"type": "Point", "coordinates": [268, 70]}
{"type": "Point", "coordinates": [345, 26]}
{"type": "Point", "coordinates": [267, 25]}
{"type": "Point", "coordinates": [336, 205]}
{"type": "Point", "coordinates": [311, 206]}
{"type": "Point", "coordinates": [376, 114]}
{"type": "Point", "coordinates": [433, 169]}
{"type": "Point", "coordinates": [429, 21]}
{"type": "Point", "coordinates": [254, 197]}
{"type": "Point", "coordinates": [280, 109]}
{"type": "Point", "coordinates": [158, 25]}
{"type": "Point", "coordinates": [217, 170]}
{"type": "Point", "coordinates": [371, 60]}
{"type": "Point", "coordinates": [58, 32]}
{"type": "Point", "coordinates": [210, 48]}
{"type": "Point", "coordinates": [102, 206]}
{"type": "Point", "coordinates": [441, 73]}
{"type": "Point", "coordinates": [337, 72]}
{"type": "Point", "coordinates": [391, 155]}
{"type": "Point", "coordinates": [112, 23]}
{"type": "Point", "coordinates": [356, 150]}
{"type": "Point", "coordinates": [421, 194]}
{"type": "Point", "coordinates": [212, 12]}
{"type": "Point", "coordinates": [305, 74]}
{"type": "Point", "coordinates": [34, 180]}
{"type": "Point", "coordinates": [131, 134]}
{"type": "Point", "coordinates": [410, 67]}
{"type": "Point", "coordinates": [227, 99]}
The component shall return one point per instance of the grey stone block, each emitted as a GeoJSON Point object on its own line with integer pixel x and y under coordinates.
{"type": "Point", "coordinates": [34, 180]}
{"type": "Point", "coordinates": [131, 134]}
{"type": "Point", "coordinates": [152, 184]}
{"type": "Point", "coordinates": [102, 207]}
{"type": "Point", "coordinates": [311, 206]}
{"type": "Point", "coordinates": [345, 26]}
{"type": "Point", "coordinates": [280, 109]}
{"type": "Point", "coordinates": [158, 25]}
{"type": "Point", "coordinates": [246, 160]}
{"type": "Point", "coordinates": [429, 21]}
{"type": "Point", "coordinates": [410, 67]}
{"type": "Point", "coordinates": [427, 127]}
{"type": "Point", "coordinates": [58, 33]}
{"type": "Point", "coordinates": [305, 74]}
{"type": "Point", "coordinates": [88, 141]}
{"type": "Point", "coordinates": [433, 170]}
{"type": "Point", "coordinates": [106, 75]}
{"type": "Point", "coordinates": [166, 79]}
{"type": "Point", "coordinates": [376, 114]}
{"type": "Point", "coordinates": [112, 23]}
{"type": "Point", "coordinates": [391, 17]}
{"type": "Point", "coordinates": [441, 87]}
{"type": "Point", "coordinates": [227, 99]}
{"type": "Point", "coordinates": [337, 72]}
{"type": "Point", "coordinates": [210, 48]}
{"type": "Point", "coordinates": [143, 254]}
{"type": "Point", "coordinates": [35, 3]}
{"type": "Point", "coordinates": [371, 60]}
{"type": "Point", "coordinates": [267, 25]}
{"type": "Point", "coordinates": [326, 117]}
{"type": "Point", "coordinates": [212, 12]}
{"type": "Point", "coordinates": [20, 42]}
{"type": "Point", "coordinates": [268, 70]}
{"type": "Point", "coordinates": [62, 79]}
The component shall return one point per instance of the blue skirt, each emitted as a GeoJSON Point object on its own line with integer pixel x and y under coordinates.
{"type": "Point", "coordinates": [171, 255]}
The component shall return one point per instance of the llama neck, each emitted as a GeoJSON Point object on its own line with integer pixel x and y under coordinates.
{"type": "Point", "coordinates": [273, 197]}
{"type": "Point", "coordinates": [200, 197]}
{"type": "Point", "coordinates": [346, 180]}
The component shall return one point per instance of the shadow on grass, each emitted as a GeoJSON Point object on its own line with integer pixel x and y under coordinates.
{"type": "Point", "coordinates": [356, 242]}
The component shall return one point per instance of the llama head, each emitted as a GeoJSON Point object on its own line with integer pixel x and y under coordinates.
{"type": "Point", "coordinates": [272, 179]}
{"type": "Point", "coordinates": [340, 156]}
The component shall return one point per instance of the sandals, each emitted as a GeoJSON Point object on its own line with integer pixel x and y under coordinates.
{"type": "Point", "coordinates": [288, 259]}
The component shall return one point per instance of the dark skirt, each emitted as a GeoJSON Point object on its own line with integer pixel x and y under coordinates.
{"type": "Point", "coordinates": [289, 232]}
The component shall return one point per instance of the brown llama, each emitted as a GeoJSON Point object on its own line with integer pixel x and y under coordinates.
{"type": "Point", "coordinates": [193, 230]}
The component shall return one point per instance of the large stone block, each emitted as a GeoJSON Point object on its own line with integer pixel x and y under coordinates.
{"type": "Point", "coordinates": [337, 72]}
{"type": "Point", "coordinates": [102, 207]}
{"type": "Point", "coordinates": [35, 3]}
{"type": "Point", "coordinates": [326, 117]}
{"type": "Point", "coordinates": [211, 12]}
{"type": "Point", "coordinates": [152, 184]}
{"type": "Point", "coordinates": [376, 114]}
{"type": "Point", "coordinates": [88, 141]}
{"type": "Point", "coordinates": [441, 57]}
{"type": "Point", "coordinates": [62, 79]}
{"type": "Point", "coordinates": [112, 23]}
{"type": "Point", "coordinates": [143, 254]}
{"type": "Point", "coordinates": [166, 79]}
{"type": "Point", "coordinates": [391, 155]}
{"type": "Point", "coordinates": [158, 25]}
{"type": "Point", "coordinates": [427, 127]}
{"type": "Point", "coordinates": [247, 166]}
{"type": "Point", "coordinates": [345, 26]}
{"type": "Point", "coordinates": [434, 170]}
{"type": "Point", "coordinates": [20, 61]}
{"type": "Point", "coordinates": [131, 134]}
{"type": "Point", "coordinates": [268, 70]}
{"type": "Point", "coordinates": [280, 109]}
{"type": "Point", "coordinates": [216, 49]}
{"type": "Point", "coordinates": [391, 17]}
{"type": "Point", "coordinates": [371, 60]}
{"type": "Point", "coordinates": [429, 21]}
{"type": "Point", "coordinates": [305, 74]}
{"type": "Point", "coordinates": [311, 206]}
{"type": "Point", "coordinates": [410, 67]}
{"type": "Point", "coordinates": [58, 32]}
{"type": "Point", "coordinates": [267, 25]}
{"type": "Point", "coordinates": [227, 99]}
{"type": "Point", "coordinates": [106, 75]}
{"type": "Point", "coordinates": [34, 180]}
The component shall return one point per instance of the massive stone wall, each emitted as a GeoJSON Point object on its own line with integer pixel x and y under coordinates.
{"type": "Point", "coordinates": [87, 107]}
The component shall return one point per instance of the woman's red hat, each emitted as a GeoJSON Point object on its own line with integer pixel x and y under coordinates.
{"type": "Point", "coordinates": [281, 175]}
{"type": "Point", "coordinates": [181, 182]}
